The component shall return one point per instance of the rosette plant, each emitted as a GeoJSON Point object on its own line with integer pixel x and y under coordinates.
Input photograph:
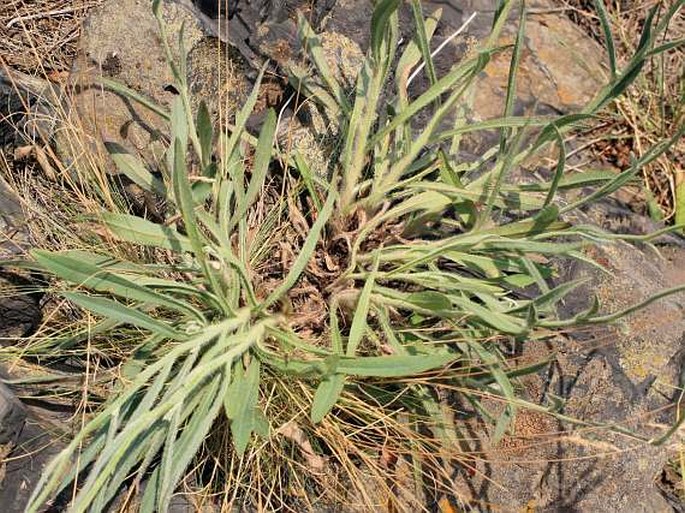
{"type": "Point", "coordinates": [285, 327]}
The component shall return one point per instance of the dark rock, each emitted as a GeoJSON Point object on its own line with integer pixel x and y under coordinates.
{"type": "Point", "coordinates": [12, 415]}
{"type": "Point", "coordinates": [617, 377]}
{"type": "Point", "coordinates": [20, 311]}
{"type": "Point", "coordinates": [27, 108]}
{"type": "Point", "coordinates": [38, 443]}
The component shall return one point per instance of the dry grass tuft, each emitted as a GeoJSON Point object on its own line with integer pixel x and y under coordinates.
{"type": "Point", "coordinates": [41, 35]}
{"type": "Point", "coordinates": [653, 107]}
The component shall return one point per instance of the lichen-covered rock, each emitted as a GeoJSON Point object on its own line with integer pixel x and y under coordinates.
{"type": "Point", "coordinates": [121, 41]}
{"type": "Point", "coordinates": [561, 68]}
{"type": "Point", "coordinates": [618, 383]}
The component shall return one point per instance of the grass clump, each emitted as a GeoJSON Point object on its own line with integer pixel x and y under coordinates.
{"type": "Point", "coordinates": [284, 330]}
{"type": "Point", "coordinates": [650, 110]}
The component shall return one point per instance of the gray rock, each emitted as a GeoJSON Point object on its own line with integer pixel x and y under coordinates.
{"type": "Point", "coordinates": [624, 376]}
{"type": "Point", "coordinates": [40, 441]}
{"type": "Point", "coordinates": [20, 311]}
{"type": "Point", "coordinates": [12, 415]}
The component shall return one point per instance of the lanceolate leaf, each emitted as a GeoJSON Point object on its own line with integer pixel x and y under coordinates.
{"type": "Point", "coordinates": [262, 160]}
{"type": "Point", "coordinates": [326, 395]}
{"type": "Point", "coordinates": [359, 321]}
{"type": "Point", "coordinates": [140, 231]}
{"type": "Point", "coordinates": [240, 404]}
{"type": "Point", "coordinates": [118, 312]}
{"type": "Point", "coordinates": [205, 133]}
{"type": "Point", "coordinates": [134, 95]}
{"type": "Point", "coordinates": [91, 276]}
{"type": "Point", "coordinates": [184, 448]}
{"type": "Point", "coordinates": [379, 24]}
{"type": "Point", "coordinates": [393, 366]}
{"type": "Point", "coordinates": [135, 170]}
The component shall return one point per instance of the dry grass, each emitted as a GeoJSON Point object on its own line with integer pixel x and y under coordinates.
{"type": "Point", "coordinates": [41, 35]}
{"type": "Point", "coordinates": [652, 108]}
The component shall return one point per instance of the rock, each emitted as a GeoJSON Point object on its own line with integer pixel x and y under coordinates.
{"type": "Point", "coordinates": [12, 415]}
{"type": "Point", "coordinates": [351, 18]}
{"type": "Point", "coordinates": [28, 107]}
{"type": "Point", "coordinates": [121, 41]}
{"type": "Point", "coordinates": [20, 311]}
{"type": "Point", "coordinates": [11, 112]}
{"type": "Point", "coordinates": [624, 376]}
{"type": "Point", "coordinates": [38, 444]}
{"type": "Point", "coordinates": [561, 69]}
{"type": "Point", "coordinates": [15, 238]}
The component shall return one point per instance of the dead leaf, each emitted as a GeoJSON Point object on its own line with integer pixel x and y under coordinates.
{"type": "Point", "coordinates": [23, 152]}
{"type": "Point", "coordinates": [445, 505]}
{"type": "Point", "coordinates": [295, 434]}
{"type": "Point", "coordinates": [58, 77]}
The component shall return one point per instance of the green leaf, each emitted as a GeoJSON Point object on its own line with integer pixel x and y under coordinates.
{"type": "Point", "coordinates": [201, 191]}
{"type": "Point", "coordinates": [430, 300]}
{"type": "Point", "coordinates": [240, 403]}
{"type": "Point", "coordinates": [261, 423]}
{"type": "Point", "coordinates": [358, 327]}
{"type": "Point", "coordinates": [379, 25]}
{"type": "Point", "coordinates": [608, 38]}
{"type": "Point", "coordinates": [242, 117]}
{"type": "Point", "coordinates": [498, 320]}
{"type": "Point", "coordinates": [84, 274]}
{"type": "Point", "coordinates": [558, 125]}
{"type": "Point", "coordinates": [117, 311]}
{"type": "Point", "coordinates": [134, 95]}
{"type": "Point", "coordinates": [205, 133]}
{"type": "Point", "coordinates": [503, 423]}
{"type": "Point", "coordinates": [179, 131]}
{"type": "Point", "coordinates": [422, 42]}
{"type": "Point", "coordinates": [446, 83]}
{"type": "Point", "coordinates": [310, 179]}
{"type": "Point", "coordinates": [141, 231]}
{"type": "Point", "coordinates": [325, 397]}
{"type": "Point", "coordinates": [134, 169]}
{"type": "Point", "coordinates": [394, 366]}
{"type": "Point", "coordinates": [494, 366]}
{"type": "Point", "coordinates": [186, 205]}
{"type": "Point", "coordinates": [185, 447]}
{"type": "Point", "coordinates": [262, 160]}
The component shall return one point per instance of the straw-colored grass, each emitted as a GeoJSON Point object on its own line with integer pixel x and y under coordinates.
{"type": "Point", "coordinates": [652, 108]}
{"type": "Point", "coordinates": [200, 373]}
